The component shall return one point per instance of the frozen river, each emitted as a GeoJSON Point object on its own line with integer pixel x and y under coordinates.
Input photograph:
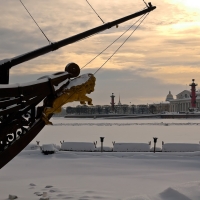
{"type": "Point", "coordinates": [108, 175]}
{"type": "Point", "coordinates": [121, 130]}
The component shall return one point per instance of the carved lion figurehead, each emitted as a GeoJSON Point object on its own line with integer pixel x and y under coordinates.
{"type": "Point", "coordinates": [90, 84]}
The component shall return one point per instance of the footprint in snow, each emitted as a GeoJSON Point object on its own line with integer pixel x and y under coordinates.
{"type": "Point", "coordinates": [85, 197]}
{"type": "Point", "coordinates": [49, 186]}
{"type": "Point", "coordinates": [32, 184]}
{"type": "Point", "coordinates": [54, 190]}
{"type": "Point", "coordinates": [99, 197]}
{"type": "Point", "coordinates": [89, 191]}
{"type": "Point", "coordinates": [38, 193]}
{"type": "Point", "coordinates": [61, 195]}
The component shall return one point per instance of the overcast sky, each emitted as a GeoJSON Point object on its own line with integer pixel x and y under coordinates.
{"type": "Point", "coordinates": [162, 55]}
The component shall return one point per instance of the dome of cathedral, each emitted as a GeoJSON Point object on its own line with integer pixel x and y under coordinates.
{"type": "Point", "coordinates": [169, 96]}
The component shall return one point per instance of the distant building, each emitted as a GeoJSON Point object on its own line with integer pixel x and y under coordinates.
{"type": "Point", "coordinates": [186, 99]}
{"type": "Point", "coordinates": [159, 107]}
{"type": "Point", "coordinates": [169, 97]}
{"type": "Point", "coordinates": [142, 109]}
{"type": "Point", "coordinates": [119, 103]}
{"type": "Point", "coordinates": [183, 102]}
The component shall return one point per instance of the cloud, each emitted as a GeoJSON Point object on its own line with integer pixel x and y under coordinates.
{"type": "Point", "coordinates": [131, 86]}
{"type": "Point", "coordinates": [162, 54]}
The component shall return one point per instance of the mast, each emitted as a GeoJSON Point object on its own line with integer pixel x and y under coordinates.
{"type": "Point", "coordinates": [7, 64]}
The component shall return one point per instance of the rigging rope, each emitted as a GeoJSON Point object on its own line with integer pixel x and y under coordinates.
{"type": "Point", "coordinates": [122, 44]}
{"type": "Point", "coordinates": [145, 3]}
{"type": "Point", "coordinates": [35, 22]}
{"type": "Point", "coordinates": [119, 46]}
{"type": "Point", "coordinates": [95, 11]}
{"type": "Point", "coordinates": [105, 48]}
{"type": "Point", "coordinates": [112, 43]}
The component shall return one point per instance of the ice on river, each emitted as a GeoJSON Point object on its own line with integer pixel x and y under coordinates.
{"type": "Point", "coordinates": [107, 175]}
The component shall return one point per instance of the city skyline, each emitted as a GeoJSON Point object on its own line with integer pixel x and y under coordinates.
{"type": "Point", "coordinates": [162, 55]}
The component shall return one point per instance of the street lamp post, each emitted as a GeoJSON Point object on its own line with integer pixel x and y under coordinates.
{"type": "Point", "coordinates": [155, 141]}
{"type": "Point", "coordinates": [101, 139]}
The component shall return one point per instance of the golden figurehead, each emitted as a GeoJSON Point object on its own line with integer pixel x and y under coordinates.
{"type": "Point", "coordinates": [76, 90]}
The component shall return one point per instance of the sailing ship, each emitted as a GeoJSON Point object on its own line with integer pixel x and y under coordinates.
{"type": "Point", "coordinates": [21, 119]}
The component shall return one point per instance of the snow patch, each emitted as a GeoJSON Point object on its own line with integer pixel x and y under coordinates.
{"type": "Point", "coordinates": [77, 146]}
{"type": "Point", "coordinates": [61, 84]}
{"type": "Point", "coordinates": [31, 147]}
{"type": "Point", "coordinates": [78, 81]}
{"type": "Point", "coordinates": [49, 148]}
{"type": "Point", "coordinates": [106, 149]}
{"type": "Point", "coordinates": [131, 147]}
{"type": "Point", "coordinates": [4, 61]}
{"type": "Point", "coordinates": [178, 147]}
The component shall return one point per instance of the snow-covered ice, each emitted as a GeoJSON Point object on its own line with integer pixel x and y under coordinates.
{"type": "Point", "coordinates": [121, 131]}
{"type": "Point", "coordinates": [128, 147]}
{"type": "Point", "coordinates": [107, 175]}
{"type": "Point", "coordinates": [77, 146]}
{"type": "Point", "coordinates": [48, 147]}
{"type": "Point", "coordinates": [177, 147]}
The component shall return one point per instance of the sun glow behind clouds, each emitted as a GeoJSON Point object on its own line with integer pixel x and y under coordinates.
{"type": "Point", "coordinates": [186, 25]}
{"type": "Point", "coordinates": [164, 49]}
{"type": "Point", "coordinates": [190, 4]}
{"type": "Point", "coordinates": [181, 28]}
